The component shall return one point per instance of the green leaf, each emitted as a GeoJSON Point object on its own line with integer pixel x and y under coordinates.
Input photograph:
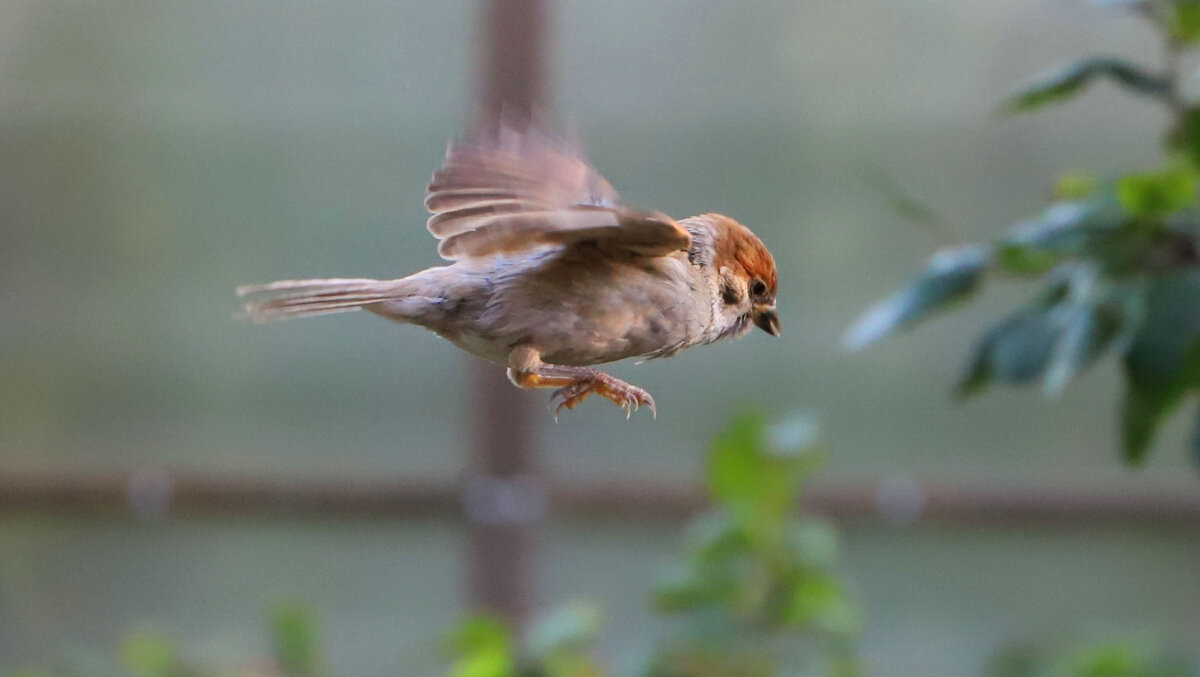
{"type": "Point", "coordinates": [1063, 82]}
{"type": "Point", "coordinates": [812, 595]}
{"type": "Point", "coordinates": [295, 635]}
{"type": "Point", "coordinates": [727, 582]}
{"type": "Point", "coordinates": [1089, 330]}
{"type": "Point", "coordinates": [1140, 415]}
{"type": "Point", "coordinates": [1163, 361]}
{"type": "Point", "coordinates": [1158, 194]}
{"type": "Point", "coordinates": [951, 275]}
{"type": "Point", "coordinates": [1184, 21]}
{"type": "Point", "coordinates": [1163, 352]}
{"type": "Point", "coordinates": [1185, 137]}
{"type": "Point", "coordinates": [1101, 230]}
{"type": "Point", "coordinates": [1094, 315]}
{"type": "Point", "coordinates": [978, 374]}
{"type": "Point", "coordinates": [716, 534]}
{"type": "Point", "coordinates": [981, 370]}
{"type": "Point", "coordinates": [1016, 351]}
{"type": "Point", "coordinates": [684, 591]}
{"type": "Point", "coordinates": [1022, 347]}
{"type": "Point", "coordinates": [147, 654]}
{"type": "Point", "coordinates": [1062, 231]}
{"type": "Point", "coordinates": [818, 599]}
{"type": "Point", "coordinates": [755, 487]}
{"type": "Point", "coordinates": [482, 648]}
{"type": "Point", "coordinates": [735, 468]}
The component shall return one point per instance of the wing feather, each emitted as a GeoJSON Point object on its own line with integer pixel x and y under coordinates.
{"type": "Point", "coordinates": [457, 198]}
{"type": "Point", "coordinates": [609, 230]}
{"type": "Point", "coordinates": [474, 215]}
{"type": "Point", "coordinates": [514, 190]}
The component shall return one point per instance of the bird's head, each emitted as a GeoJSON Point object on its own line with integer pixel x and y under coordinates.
{"type": "Point", "coordinates": [746, 278]}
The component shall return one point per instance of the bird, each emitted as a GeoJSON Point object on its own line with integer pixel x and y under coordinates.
{"type": "Point", "coordinates": [548, 274]}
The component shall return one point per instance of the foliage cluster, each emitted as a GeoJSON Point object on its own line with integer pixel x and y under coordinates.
{"type": "Point", "coordinates": [1118, 258]}
{"type": "Point", "coordinates": [755, 593]}
{"type": "Point", "coordinates": [1128, 655]}
{"type": "Point", "coordinates": [295, 652]}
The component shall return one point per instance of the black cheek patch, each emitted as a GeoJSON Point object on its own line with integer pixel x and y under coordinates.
{"type": "Point", "coordinates": [730, 295]}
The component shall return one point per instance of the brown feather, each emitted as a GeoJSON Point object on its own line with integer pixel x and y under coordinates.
{"type": "Point", "coordinates": [738, 247]}
{"type": "Point", "coordinates": [520, 189]}
{"type": "Point", "coordinates": [610, 230]}
{"type": "Point", "coordinates": [451, 199]}
{"type": "Point", "coordinates": [301, 298]}
{"type": "Point", "coordinates": [451, 222]}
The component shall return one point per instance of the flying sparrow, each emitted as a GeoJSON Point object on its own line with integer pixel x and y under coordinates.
{"type": "Point", "coordinates": [550, 274]}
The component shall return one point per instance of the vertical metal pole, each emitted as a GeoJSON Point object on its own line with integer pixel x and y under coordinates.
{"type": "Point", "coordinates": [504, 498]}
{"type": "Point", "coordinates": [512, 60]}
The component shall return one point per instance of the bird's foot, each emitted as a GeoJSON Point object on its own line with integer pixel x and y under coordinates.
{"type": "Point", "coordinates": [625, 395]}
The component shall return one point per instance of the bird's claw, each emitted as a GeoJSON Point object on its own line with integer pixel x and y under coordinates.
{"type": "Point", "coordinates": [628, 397]}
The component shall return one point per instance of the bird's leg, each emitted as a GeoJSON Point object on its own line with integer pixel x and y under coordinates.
{"type": "Point", "coordinates": [574, 384]}
{"type": "Point", "coordinates": [625, 395]}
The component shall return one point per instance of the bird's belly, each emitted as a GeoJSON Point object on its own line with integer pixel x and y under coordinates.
{"type": "Point", "coordinates": [598, 316]}
{"type": "Point", "coordinates": [486, 347]}
{"type": "Point", "coordinates": [617, 333]}
{"type": "Point", "coordinates": [571, 340]}
{"type": "Point", "coordinates": [573, 312]}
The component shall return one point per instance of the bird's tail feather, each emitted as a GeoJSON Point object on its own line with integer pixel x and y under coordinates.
{"type": "Point", "coordinates": [303, 298]}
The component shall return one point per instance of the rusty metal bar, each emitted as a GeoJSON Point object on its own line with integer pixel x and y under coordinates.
{"type": "Point", "coordinates": [512, 62]}
{"type": "Point", "coordinates": [503, 497]}
{"type": "Point", "coordinates": [157, 493]}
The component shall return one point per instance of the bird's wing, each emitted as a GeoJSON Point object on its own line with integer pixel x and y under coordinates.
{"type": "Point", "coordinates": [513, 190]}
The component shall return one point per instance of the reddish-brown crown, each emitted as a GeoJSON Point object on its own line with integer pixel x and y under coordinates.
{"type": "Point", "coordinates": [737, 247]}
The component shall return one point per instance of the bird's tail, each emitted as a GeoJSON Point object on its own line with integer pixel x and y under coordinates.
{"type": "Point", "coordinates": [302, 298]}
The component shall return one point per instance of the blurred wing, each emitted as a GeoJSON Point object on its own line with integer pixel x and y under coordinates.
{"type": "Point", "coordinates": [517, 190]}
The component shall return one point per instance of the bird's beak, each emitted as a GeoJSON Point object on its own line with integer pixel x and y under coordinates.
{"type": "Point", "coordinates": [767, 319]}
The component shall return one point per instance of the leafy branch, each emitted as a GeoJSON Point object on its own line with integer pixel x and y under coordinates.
{"type": "Point", "coordinates": [1118, 260]}
{"type": "Point", "coordinates": [756, 592]}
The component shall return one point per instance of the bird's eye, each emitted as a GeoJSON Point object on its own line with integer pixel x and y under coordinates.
{"type": "Point", "coordinates": [730, 295]}
{"type": "Point", "coordinates": [758, 288]}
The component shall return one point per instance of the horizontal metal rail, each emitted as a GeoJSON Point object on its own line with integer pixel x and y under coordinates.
{"type": "Point", "coordinates": [152, 493]}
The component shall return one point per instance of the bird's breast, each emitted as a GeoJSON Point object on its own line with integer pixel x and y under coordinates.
{"type": "Point", "coordinates": [581, 310]}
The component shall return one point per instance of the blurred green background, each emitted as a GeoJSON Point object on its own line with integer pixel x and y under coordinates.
{"type": "Point", "coordinates": [157, 154]}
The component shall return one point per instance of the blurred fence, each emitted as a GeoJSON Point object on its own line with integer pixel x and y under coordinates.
{"type": "Point", "coordinates": [155, 492]}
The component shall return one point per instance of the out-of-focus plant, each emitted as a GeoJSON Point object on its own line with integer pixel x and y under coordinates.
{"type": "Point", "coordinates": [295, 636]}
{"type": "Point", "coordinates": [149, 654]}
{"type": "Point", "coordinates": [1131, 655]}
{"type": "Point", "coordinates": [296, 652]}
{"type": "Point", "coordinates": [755, 594]}
{"type": "Point", "coordinates": [1118, 259]}
{"type": "Point", "coordinates": [559, 644]}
